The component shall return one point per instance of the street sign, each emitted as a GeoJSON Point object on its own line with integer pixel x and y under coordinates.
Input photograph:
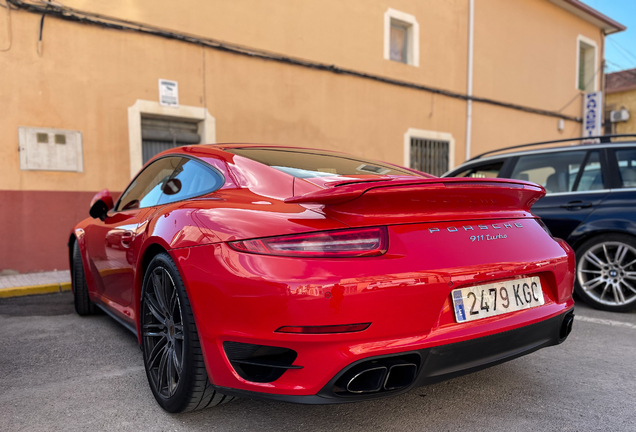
{"type": "Point", "coordinates": [168, 93]}
{"type": "Point", "coordinates": [592, 114]}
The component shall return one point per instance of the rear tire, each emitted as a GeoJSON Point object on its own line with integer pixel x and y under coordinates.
{"type": "Point", "coordinates": [83, 304]}
{"type": "Point", "coordinates": [606, 272]}
{"type": "Point", "coordinates": [172, 353]}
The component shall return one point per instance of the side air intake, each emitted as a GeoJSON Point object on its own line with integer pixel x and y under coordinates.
{"type": "Point", "coordinates": [259, 363]}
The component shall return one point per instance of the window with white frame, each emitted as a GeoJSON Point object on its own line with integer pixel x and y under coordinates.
{"type": "Point", "coordinates": [401, 37]}
{"type": "Point", "coordinates": [429, 151]}
{"type": "Point", "coordinates": [586, 65]}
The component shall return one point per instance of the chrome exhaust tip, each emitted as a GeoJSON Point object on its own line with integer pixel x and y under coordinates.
{"type": "Point", "coordinates": [368, 381]}
{"type": "Point", "coordinates": [400, 375]}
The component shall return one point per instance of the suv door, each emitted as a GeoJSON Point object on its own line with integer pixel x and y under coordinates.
{"type": "Point", "coordinates": [575, 182]}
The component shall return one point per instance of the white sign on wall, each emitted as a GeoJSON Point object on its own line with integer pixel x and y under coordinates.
{"type": "Point", "coordinates": [592, 114]}
{"type": "Point", "coordinates": [168, 93]}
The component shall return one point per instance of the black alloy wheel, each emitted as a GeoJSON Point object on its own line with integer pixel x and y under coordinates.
{"type": "Point", "coordinates": [163, 332]}
{"type": "Point", "coordinates": [606, 272]}
{"type": "Point", "coordinates": [172, 352]}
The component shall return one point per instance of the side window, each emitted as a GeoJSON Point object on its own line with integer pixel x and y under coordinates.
{"type": "Point", "coordinates": [627, 167]}
{"type": "Point", "coordinates": [482, 171]}
{"type": "Point", "coordinates": [556, 172]}
{"type": "Point", "coordinates": [591, 177]}
{"type": "Point", "coordinates": [146, 189]}
{"type": "Point", "coordinates": [190, 179]}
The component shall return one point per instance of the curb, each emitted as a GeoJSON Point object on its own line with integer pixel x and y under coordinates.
{"type": "Point", "coordinates": [35, 289]}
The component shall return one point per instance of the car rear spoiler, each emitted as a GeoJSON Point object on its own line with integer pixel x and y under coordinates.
{"type": "Point", "coordinates": [422, 199]}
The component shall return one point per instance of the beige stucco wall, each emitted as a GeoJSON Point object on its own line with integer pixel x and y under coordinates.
{"type": "Point", "coordinates": [86, 77]}
{"type": "Point", "coordinates": [526, 53]}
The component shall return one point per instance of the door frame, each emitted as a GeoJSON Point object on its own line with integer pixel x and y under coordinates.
{"type": "Point", "coordinates": [206, 125]}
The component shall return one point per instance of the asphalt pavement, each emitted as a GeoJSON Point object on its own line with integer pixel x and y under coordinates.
{"type": "Point", "coordinates": [59, 371]}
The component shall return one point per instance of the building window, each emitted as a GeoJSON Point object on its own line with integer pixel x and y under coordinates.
{"type": "Point", "coordinates": [401, 38]}
{"type": "Point", "coordinates": [429, 151]}
{"type": "Point", "coordinates": [586, 65]}
{"type": "Point", "coordinates": [429, 156]}
{"type": "Point", "coordinates": [399, 41]}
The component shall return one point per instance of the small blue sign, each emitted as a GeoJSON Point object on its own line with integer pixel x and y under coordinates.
{"type": "Point", "coordinates": [459, 306]}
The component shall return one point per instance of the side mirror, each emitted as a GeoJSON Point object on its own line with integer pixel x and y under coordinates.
{"type": "Point", "coordinates": [172, 187]}
{"type": "Point", "coordinates": [100, 204]}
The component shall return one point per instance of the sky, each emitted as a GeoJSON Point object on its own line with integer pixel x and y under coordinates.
{"type": "Point", "coordinates": [620, 48]}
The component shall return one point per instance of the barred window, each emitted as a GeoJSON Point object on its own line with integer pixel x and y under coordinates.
{"type": "Point", "coordinates": [430, 156]}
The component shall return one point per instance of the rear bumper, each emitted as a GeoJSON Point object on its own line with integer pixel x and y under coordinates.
{"type": "Point", "coordinates": [405, 294]}
{"type": "Point", "coordinates": [443, 362]}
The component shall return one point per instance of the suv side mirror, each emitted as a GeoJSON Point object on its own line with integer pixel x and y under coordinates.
{"type": "Point", "coordinates": [100, 204]}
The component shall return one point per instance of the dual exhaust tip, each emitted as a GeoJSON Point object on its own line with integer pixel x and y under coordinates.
{"type": "Point", "coordinates": [391, 375]}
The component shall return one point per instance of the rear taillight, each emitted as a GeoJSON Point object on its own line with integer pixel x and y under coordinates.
{"type": "Point", "coordinates": [327, 244]}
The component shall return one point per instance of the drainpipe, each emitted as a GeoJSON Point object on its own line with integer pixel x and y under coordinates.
{"type": "Point", "coordinates": [602, 84]}
{"type": "Point", "coordinates": [469, 89]}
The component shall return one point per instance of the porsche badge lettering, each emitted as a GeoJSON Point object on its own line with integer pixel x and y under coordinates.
{"type": "Point", "coordinates": [473, 228]}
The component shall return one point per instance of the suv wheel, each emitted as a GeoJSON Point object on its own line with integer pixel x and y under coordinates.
{"type": "Point", "coordinates": [606, 272]}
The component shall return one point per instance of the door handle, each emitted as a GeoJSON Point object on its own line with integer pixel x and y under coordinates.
{"type": "Point", "coordinates": [126, 238]}
{"type": "Point", "coordinates": [577, 205]}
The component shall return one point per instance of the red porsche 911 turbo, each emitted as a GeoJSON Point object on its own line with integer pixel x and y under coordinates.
{"type": "Point", "coordinates": [317, 277]}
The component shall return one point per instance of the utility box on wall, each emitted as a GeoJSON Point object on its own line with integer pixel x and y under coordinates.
{"type": "Point", "coordinates": [50, 149]}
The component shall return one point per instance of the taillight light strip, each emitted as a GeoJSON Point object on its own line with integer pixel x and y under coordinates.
{"type": "Point", "coordinates": [359, 242]}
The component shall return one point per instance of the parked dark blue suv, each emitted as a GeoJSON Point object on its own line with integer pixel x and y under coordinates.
{"type": "Point", "coordinates": [590, 202]}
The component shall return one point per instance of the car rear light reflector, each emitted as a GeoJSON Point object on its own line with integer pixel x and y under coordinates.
{"type": "Point", "coordinates": [345, 328]}
{"type": "Point", "coordinates": [342, 243]}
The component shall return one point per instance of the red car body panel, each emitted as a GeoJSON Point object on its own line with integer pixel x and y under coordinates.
{"type": "Point", "coordinates": [404, 293]}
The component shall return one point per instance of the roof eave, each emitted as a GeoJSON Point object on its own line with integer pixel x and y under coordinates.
{"type": "Point", "coordinates": [590, 15]}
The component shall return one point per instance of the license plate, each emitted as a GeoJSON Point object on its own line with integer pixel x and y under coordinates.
{"type": "Point", "coordinates": [483, 301]}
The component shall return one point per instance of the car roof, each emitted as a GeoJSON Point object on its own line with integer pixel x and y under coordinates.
{"type": "Point", "coordinates": [571, 147]}
{"type": "Point", "coordinates": [549, 150]}
{"type": "Point", "coordinates": [604, 141]}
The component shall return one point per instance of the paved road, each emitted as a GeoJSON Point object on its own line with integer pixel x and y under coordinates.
{"type": "Point", "coordinates": [62, 372]}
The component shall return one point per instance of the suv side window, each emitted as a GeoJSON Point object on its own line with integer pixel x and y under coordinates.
{"type": "Point", "coordinates": [146, 188]}
{"type": "Point", "coordinates": [189, 179]}
{"type": "Point", "coordinates": [591, 178]}
{"type": "Point", "coordinates": [556, 172]}
{"type": "Point", "coordinates": [627, 167]}
{"type": "Point", "coordinates": [482, 171]}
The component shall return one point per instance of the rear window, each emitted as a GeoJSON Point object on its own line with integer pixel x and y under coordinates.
{"type": "Point", "coordinates": [627, 167]}
{"type": "Point", "coordinates": [303, 163]}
